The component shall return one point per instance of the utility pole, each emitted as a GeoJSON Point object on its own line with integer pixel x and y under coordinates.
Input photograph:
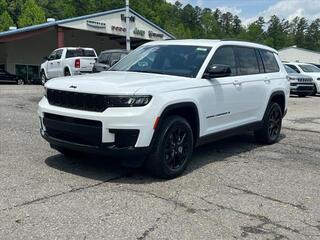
{"type": "Point", "coordinates": [127, 26]}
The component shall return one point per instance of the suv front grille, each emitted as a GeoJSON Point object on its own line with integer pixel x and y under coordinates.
{"type": "Point", "coordinates": [75, 100]}
{"type": "Point", "coordinates": [75, 130]}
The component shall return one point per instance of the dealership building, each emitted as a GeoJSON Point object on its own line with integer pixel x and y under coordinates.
{"type": "Point", "coordinates": [22, 50]}
{"type": "Point", "coordinates": [295, 54]}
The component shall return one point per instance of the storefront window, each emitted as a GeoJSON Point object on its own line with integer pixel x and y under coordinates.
{"type": "Point", "coordinates": [30, 73]}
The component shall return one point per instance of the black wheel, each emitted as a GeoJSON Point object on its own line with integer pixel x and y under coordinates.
{"type": "Point", "coordinates": [272, 122]}
{"type": "Point", "coordinates": [172, 149]}
{"type": "Point", "coordinates": [43, 78]}
{"type": "Point", "coordinates": [67, 72]}
{"type": "Point", "coordinates": [20, 81]}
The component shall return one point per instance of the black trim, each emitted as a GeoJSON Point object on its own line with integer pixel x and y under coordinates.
{"type": "Point", "coordinates": [228, 133]}
{"type": "Point", "coordinates": [276, 93]}
{"type": "Point", "coordinates": [105, 149]}
{"type": "Point", "coordinates": [217, 115]}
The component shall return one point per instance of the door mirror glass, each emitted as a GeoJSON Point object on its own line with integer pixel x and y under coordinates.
{"type": "Point", "coordinates": [217, 70]}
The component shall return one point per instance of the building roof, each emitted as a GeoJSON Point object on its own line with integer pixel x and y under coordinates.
{"type": "Point", "coordinates": [302, 49]}
{"type": "Point", "coordinates": [58, 22]}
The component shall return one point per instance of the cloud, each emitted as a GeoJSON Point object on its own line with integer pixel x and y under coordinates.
{"type": "Point", "coordinates": [289, 9]}
{"type": "Point", "coordinates": [233, 10]}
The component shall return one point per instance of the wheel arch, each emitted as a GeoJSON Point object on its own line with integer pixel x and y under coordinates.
{"type": "Point", "coordinates": [280, 98]}
{"type": "Point", "coordinates": [187, 110]}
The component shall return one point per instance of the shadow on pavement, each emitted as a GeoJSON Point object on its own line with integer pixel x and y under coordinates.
{"type": "Point", "coordinates": [102, 168]}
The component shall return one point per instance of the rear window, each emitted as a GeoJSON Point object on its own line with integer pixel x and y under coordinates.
{"type": "Point", "coordinates": [80, 53]}
{"type": "Point", "coordinates": [269, 61]}
{"type": "Point", "coordinates": [248, 63]}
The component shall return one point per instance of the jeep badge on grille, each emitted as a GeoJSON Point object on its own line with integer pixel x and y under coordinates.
{"type": "Point", "coordinates": [72, 86]}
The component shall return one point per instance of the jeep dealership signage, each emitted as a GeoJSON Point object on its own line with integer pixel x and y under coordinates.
{"type": "Point", "coordinates": [114, 23]}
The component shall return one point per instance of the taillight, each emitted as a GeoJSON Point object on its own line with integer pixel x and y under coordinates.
{"type": "Point", "coordinates": [77, 63]}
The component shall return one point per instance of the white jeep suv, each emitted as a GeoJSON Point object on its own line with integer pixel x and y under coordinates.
{"type": "Point", "coordinates": [164, 99]}
{"type": "Point", "coordinates": [307, 69]}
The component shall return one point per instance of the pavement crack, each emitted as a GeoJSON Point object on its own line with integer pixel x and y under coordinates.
{"type": "Point", "coordinates": [149, 230]}
{"type": "Point", "coordinates": [73, 190]}
{"type": "Point", "coordinates": [299, 206]}
{"type": "Point", "coordinates": [301, 130]}
{"type": "Point", "coordinates": [259, 228]}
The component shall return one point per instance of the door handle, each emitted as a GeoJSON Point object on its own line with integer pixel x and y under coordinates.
{"type": "Point", "coordinates": [267, 81]}
{"type": "Point", "coordinates": [58, 62]}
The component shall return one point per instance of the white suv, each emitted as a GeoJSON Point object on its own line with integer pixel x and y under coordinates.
{"type": "Point", "coordinates": [307, 69]}
{"type": "Point", "coordinates": [165, 98]}
{"type": "Point", "coordinates": [68, 61]}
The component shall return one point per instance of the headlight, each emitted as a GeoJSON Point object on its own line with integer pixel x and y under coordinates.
{"type": "Point", "coordinates": [128, 101]}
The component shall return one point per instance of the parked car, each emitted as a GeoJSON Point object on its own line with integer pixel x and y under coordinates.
{"type": "Point", "coordinates": [108, 58]}
{"type": "Point", "coordinates": [68, 62]}
{"type": "Point", "coordinates": [165, 98]}
{"type": "Point", "coordinates": [317, 65]}
{"type": "Point", "coordinates": [307, 69]}
{"type": "Point", "coordinates": [9, 78]}
{"type": "Point", "coordinates": [301, 85]}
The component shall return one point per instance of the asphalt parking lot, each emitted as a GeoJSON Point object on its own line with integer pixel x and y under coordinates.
{"type": "Point", "coordinates": [233, 189]}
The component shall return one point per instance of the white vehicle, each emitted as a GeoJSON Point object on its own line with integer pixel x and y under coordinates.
{"type": "Point", "coordinates": [307, 69]}
{"type": "Point", "coordinates": [68, 62]}
{"type": "Point", "coordinates": [165, 98]}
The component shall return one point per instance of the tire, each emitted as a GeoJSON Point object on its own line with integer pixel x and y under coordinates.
{"type": "Point", "coordinates": [302, 95]}
{"type": "Point", "coordinates": [67, 72]}
{"type": "Point", "coordinates": [172, 148]}
{"type": "Point", "coordinates": [271, 125]}
{"type": "Point", "coordinates": [43, 78]}
{"type": "Point", "coordinates": [20, 81]}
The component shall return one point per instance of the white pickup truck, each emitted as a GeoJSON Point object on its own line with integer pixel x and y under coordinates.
{"type": "Point", "coordinates": [68, 61]}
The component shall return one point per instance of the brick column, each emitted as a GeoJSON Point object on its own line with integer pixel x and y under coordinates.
{"type": "Point", "coordinates": [60, 37]}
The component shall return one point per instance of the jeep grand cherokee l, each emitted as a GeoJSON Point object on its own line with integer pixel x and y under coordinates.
{"type": "Point", "coordinates": [165, 98]}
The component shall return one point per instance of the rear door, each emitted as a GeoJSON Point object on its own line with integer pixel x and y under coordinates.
{"type": "Point", "coordinates": [253, 84]}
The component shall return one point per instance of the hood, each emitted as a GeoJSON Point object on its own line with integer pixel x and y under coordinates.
{"type": "Point", "coordinates": [112, 82]}
{"type": "Point", "coordinates": [298, 75]}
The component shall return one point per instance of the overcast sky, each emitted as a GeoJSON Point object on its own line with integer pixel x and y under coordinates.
{"type": "Point", "coordinates": [250, 10]}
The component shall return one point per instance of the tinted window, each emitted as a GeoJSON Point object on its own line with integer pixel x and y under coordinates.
{"type": "Point", "coordinates": [247, 61]}
{"type": "Point", "coordinates": [309, 68]}
{"type": "Point", "coordinates": [293, 67]}
{"type": "Point", "coordinates": [225, 56]}
{"type": "Point", "coordinates": [59, 53]}
{"type": "Point", "coordinates": [176, 60]}
{"type": "Point", "coordinates": [289, 69]}
{"type": "Point", "coordinates": [269, 61]}
{"type": "Point", "coordinates": [52, 56]}
{"type": "Point", "coordinates": [104, 58]}
{"type": "Point", "coordinates": [79, 53]}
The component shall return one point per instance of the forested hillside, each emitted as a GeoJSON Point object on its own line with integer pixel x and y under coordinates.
{"type": "Point", "coordinates": [183, 21]}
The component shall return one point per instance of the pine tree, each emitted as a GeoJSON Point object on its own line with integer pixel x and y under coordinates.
{"type": "Point", "coordinates": [31, 14]}
{"type": "Point", "coordinates": [6, 21]}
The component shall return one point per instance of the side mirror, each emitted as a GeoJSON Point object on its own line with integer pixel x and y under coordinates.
{"type": "Point", "coordinates": [216, 71]}
{"type": "Point", "coordinates": [46, 58]}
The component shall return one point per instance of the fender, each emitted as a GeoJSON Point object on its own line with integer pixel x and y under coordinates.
{"type": "Point", "coordinates": [274, 94]}
{"type": "Point", "coordinates": [177, 106]}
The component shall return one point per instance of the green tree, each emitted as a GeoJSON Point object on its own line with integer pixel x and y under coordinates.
{"type": "Point", "coordinates": [255, 32]}
{"type": "Point", "coordinates": [31, 14]}
{"type": "Point", "coordinates": [313, 35]}
{"type": "Point", "coordinates": [6, 21]}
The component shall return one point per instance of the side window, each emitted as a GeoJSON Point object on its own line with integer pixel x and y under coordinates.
{"type": "Point", "coordinates": [293, 67]}
{"type": "Point", "coordinates": [261, 67]}
{"type": "Point", "coordinates": [59, 54]}
{"type": "Point", "coordinates": [269, 61]}
{"type": "Point", "coordinates": [52, 56]}
{"type": "Point", "coordinates": [114, 57]}
{"type": "Point", "coordinates": [225, 56]}
{"type": "Point", "coordinates": [247, 61]}
{"type": "Point", "coordinates": [105, 58]}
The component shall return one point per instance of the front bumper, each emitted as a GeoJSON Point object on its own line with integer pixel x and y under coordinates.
{"type": "Point", "coordinates": [301, 88]}
{"type": "Point", "coordinates": [105, 149]}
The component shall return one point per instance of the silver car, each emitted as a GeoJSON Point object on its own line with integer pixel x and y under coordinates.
{"type": "Point", "coordinates": [300, 84]}
{"type": "Point", "coordinates": [108, 58]}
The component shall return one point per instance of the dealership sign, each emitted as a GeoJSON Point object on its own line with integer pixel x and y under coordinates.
{"type": "Point", "coordinates": [96, 24]}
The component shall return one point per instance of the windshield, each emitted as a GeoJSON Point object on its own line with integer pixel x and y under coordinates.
{"type": "Point", "coordinates": [289, 69]}
{"type": "Point", "coordinates": [176, 60]}
{"type": "Point", "coordinates": [309, 68]}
